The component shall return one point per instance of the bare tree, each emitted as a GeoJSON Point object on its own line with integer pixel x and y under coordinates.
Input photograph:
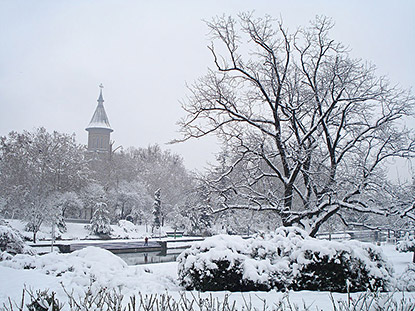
{"type": "Point", "coordinates": [404, 203]}
{"type": "Point", "coordinates": [308, 127]}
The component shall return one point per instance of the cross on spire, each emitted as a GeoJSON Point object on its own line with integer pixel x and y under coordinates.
{"type": "Point", "coordinates": [100, 99]}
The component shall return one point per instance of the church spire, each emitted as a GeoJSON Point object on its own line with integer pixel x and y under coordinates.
{"type": "Point", "coordinates": [100, 119]}
{"type": "Point", "coordinates": [99, 128]}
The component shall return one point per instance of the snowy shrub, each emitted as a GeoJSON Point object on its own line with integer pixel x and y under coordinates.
{"type": "Point", "coordinates": [125, 230]}
{"type": "Point", "coordinates": [89, 263]}
{"type": "Point", "coordinates": [127, 226]}
{"type": "Point", "coordinates": [43, 301]}
{"type": "Point", "coordinates": [100, 222]}
{"type": "Point", "coordinates": [221, 263]}
{"type": "Point", "coordinates": [339, 267]}
{"type": "Point", "coordinates": [305, 263]}
{"type": "Point", "coordinates": [12, 242]}
{"type": "Point", "coordinates": [286, 259]}
{"type": "Point", "coordinates": [407, 280]}
{"type": "Point", "coordinates": [407, 245]}
{"type": "Point", "coordinates": [111, 300]}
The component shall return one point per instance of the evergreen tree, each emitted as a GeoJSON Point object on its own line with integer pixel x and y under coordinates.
{"type": "Point", "coordinates": [156, 210]}
{"type": "Point", "coordinates": [100, 222]}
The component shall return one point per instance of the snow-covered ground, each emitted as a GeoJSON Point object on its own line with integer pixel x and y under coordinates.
{"type": "Point", "coordinates": [96, 267]}
{"type": "Point", "coordinates": [76, 270]}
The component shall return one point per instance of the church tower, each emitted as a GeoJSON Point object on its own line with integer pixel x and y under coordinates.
{"type": "Point", "coordinates": [99, 129]}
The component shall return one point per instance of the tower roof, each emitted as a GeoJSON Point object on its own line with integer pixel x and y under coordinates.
{"type": "Point", "coordinates": [99, 119]}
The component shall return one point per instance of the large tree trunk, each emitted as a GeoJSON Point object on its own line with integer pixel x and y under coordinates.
{"type": "Point", "coordinates": [288, 197]}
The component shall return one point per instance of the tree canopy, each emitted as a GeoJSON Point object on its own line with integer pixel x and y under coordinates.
{"type": "Point", "coordinates": [307, 128]}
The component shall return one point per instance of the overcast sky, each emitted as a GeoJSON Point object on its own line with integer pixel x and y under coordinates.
{"type": "Point", "coordinates": [54, 54]}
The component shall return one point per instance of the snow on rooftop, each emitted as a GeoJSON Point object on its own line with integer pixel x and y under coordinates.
{"type": "Point", "coordinates": [100, 118]}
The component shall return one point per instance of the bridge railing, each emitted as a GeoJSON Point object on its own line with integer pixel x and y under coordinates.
{"type": "Point", "coordinates": [384, 235]}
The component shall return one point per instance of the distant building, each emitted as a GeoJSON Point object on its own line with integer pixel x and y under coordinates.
{"type": "Point", "coordinates": [99, 129]}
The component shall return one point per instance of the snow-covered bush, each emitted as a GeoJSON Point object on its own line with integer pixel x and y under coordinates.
{"type": "Point", "coordinates": [339, 267]}
{"type": "Point", "coordinates": [305, 263]}
{"type": "Point", "coordinates": [407, 245]}
{"type": "Point", "coordinates": [286, 259]}
{"type": "Point", "coordinates": [406, 281]}
{"type": "Point", "coordinates": [221, 263]}
{"type": "Point", "coordinates": [125, 230]}
{"type": "Point", "coordinates": [43, 301]}
{"type": "Point", "coordinates": [12, 242]}
{"type": "Point", "coordinates": [89, 263]}
{"type": "Point", "coordinates": [127, 226]}
{"type": "Point", "coordinates": [100, 222]}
